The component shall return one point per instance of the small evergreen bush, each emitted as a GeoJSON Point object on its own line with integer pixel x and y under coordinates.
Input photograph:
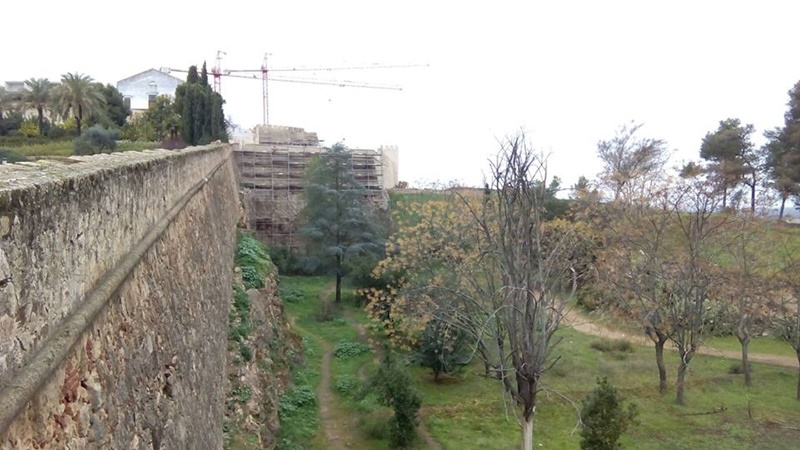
{"type": "Point", "coordinates": [394, 387]}
{"type": "Point", "coordinates": [605, 418]}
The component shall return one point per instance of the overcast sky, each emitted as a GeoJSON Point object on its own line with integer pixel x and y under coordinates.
{"type": "Point", "coordinates": [568, 72]}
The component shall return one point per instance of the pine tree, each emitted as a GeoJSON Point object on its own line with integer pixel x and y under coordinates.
{"type": "Point", "coordinates": [338, 221]}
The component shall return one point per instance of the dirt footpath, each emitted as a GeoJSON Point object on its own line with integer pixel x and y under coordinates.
{"type": "Point", "coordinates": [586, 325]}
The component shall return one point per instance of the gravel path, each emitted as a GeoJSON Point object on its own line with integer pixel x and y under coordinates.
{"type": "Point", "coordinates": [327, 410]}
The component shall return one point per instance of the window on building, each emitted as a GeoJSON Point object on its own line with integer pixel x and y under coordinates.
{"type": "Point", "coordinates": [151, 100]}
{"type": "Point", "coordinates": [127, 102]}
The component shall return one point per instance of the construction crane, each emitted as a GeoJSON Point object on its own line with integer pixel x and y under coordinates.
{"type": "Point", "coordinates": [265, 71]}
{"type": "Point", "coordinates": [216, 72]}
{"type": "Point", "coordinates": [265, 77]}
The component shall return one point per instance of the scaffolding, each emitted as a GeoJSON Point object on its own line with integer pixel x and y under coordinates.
{"type": "Point", "coordinates": [272, 173]}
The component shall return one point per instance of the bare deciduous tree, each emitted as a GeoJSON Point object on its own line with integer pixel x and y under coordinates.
{"type": "Point", "coordinates": [637, 225]}
{"type": "Point", "coordinates": [536, 273]}
{"type": "Point", "coordinates": [659, 262]}
{"type": "Point", "coordinates": [632, 166]}
{"type": "Point", "coordinates": [746, 291]}
{"type": "Point", "coordinates": [688, 273]}
{"type": "Point", "coordinates": [492, 265]}
{"type": "Point", "coordinates": [788, 323]}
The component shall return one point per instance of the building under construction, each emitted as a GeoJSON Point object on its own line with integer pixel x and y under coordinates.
{"type": "Point", "coordinates": [272, 172]}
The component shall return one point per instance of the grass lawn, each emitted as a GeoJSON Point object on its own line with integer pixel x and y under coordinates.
{"type": "Point", "coordinates": [467, 411]}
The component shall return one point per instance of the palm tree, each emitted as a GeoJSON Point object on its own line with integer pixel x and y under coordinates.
{"type": "Point", "coordinates": [38, 95]}
{"type": "Point", "coordinates": [77, 96]}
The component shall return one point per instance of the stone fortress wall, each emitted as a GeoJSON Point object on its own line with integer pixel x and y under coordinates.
{"type": "Point", "coordinates": [115, 282]}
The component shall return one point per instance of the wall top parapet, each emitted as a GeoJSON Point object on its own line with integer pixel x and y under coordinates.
{"type": "Point", "coordinates": [24, 175]}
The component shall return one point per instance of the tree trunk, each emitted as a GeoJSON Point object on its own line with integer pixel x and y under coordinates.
{"type": "Point", "coordinates": [753, 196]}
{"type": "Point", "coordinates": [484, 352]}
{"type": "Point", "coordinates": [527, 433]}
{"type": "Point", "coordinates": [745, 341]}
{"type": "Point", "coordinates": [783, 205]}
{"type": "Point", "coordinates": [338, 285]}
{"type": "Point", "coordinates": [684, 365]}
{"type": "Point", "coordinates": [78, 118]}
{"type": "Point", "coordinates": [527, 394]}
{"type": "Point", "coordinates": [41, 120]}
{"type": "Point", "coordinates": [662, 368]}
{"type": "Point", "coordinates": [724, 195]}
{"type": "Point", "coordinates": [798, 373]}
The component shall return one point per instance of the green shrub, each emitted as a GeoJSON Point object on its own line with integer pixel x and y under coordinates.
{"type": "Point", "coordinates": [592, 297]}
{"type": "Point", "coordinates": [737, 369]}
{"type": "Point", "coordinates": [393, 386]}
{"type": "Point", "coordinates": [612, 345]}
{"type": "Point", "coordinates": [96, 139]}
{"type": "Point", "coordinates": [251, 277]}
{"type": "Point", "coordinates": [441, 348]}
{"type": "Point", "coordinates": [250, 252]}
{"type": "Point", "coordinates": [253, 259]}
{"type": "Point", "coordinates": [30, 128]}
{"type": "Point", "coordinates": [57, 132]}
{"type": "Point", "coordinates": [347, 385]}
{"type": "Point", "coordinates": [241, 306]}
{"type": "Point", "coordinates": [375, 425]}
{"type": "Point", "coordinates": [242, 393]}
{"type": "Point", "coordinates": [246, 352]}
{"type": "Point", "coordinates": [10, 156]}
{"type": "Point", "coordinates": [9, 126]}
{"type": "Point", "coordinates": [605, 418]}
{"type": "Point", "coordinates": [339, 321]}
{"type": "Point", "coordinates": [348, 349]}
{"type": "Point", "coordinates": [297, 398]}
{"type": "Point", "coordinates": [291, 295]}
{"type": "Point", "coordinates": [326, 311]}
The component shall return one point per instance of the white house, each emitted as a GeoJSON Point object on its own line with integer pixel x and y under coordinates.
{"type": "Point", "coordinates": [142, 89]}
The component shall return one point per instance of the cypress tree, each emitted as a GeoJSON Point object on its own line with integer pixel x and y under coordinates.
{"type": "Point", "coordinates": [202, 118]}
{"type": "Point", "coordinates": [192, 77]}
{"type": "Point", "coordinates": [204, 75]}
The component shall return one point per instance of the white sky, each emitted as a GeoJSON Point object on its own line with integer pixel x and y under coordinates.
{"type": "Point", "coordinates": [569, 72]}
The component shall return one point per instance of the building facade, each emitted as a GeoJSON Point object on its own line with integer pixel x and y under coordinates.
{"type": "Point", "coordinates": [141, 90]}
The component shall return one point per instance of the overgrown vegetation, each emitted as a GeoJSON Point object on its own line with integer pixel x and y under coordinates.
{"type": "Point", "coordinates": [263, 351]}
{"type": "Point", "coordinates": [298, 410]}
{"type": "Point", "coordinates": [253, 259]}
